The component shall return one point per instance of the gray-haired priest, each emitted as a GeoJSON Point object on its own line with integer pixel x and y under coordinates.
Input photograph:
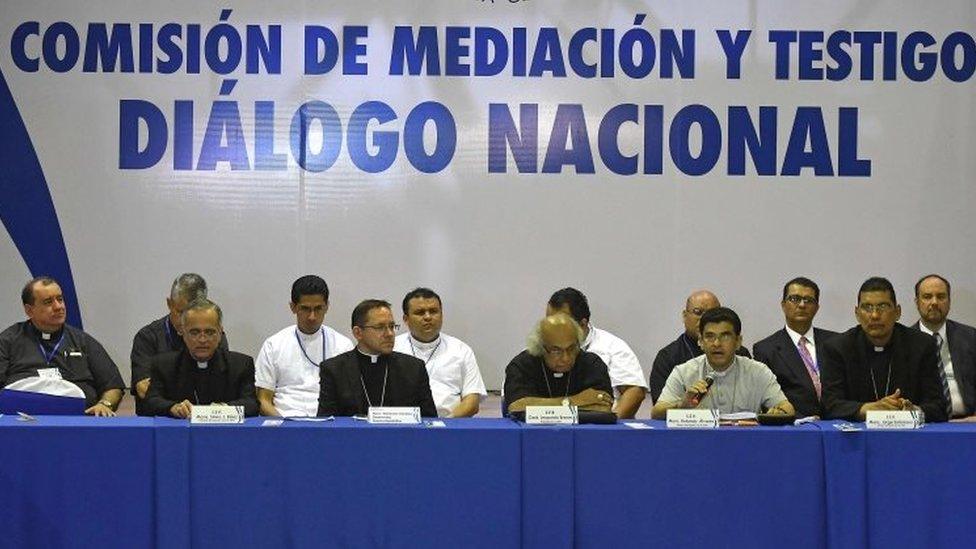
{"type": "Point", "coordinates": [554, 369]}
{"type": "Point", "coordinates": [202, 373]}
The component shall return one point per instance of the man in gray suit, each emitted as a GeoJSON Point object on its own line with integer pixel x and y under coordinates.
{"type": "Point", "coordinates": [957, 343]}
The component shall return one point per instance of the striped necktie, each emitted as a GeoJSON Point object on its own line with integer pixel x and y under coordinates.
{"type": "Point", "coordinates": [812, 369]}
{"type": "Point", "coordinates": [942, 375]}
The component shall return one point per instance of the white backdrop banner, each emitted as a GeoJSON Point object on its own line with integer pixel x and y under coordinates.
{"type": "Point", "coordinates": [493, 151]}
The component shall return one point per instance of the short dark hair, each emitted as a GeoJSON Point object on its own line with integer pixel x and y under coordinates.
{"type": "Point", "coordinates": [804, 282]}
{"type": "Point", "coordinates": [27, 294]}
{"type": "Point", "coordinates": [309, 285]}
{"type": "Point", "coordinates": [362, 310]}
{"type": "Point", "coordinates": [720, 314]}
{"type": "Point", "coordinates": [579, 307]}
{"type": "Point", "coordinates": [933, 275]}
{"type": "Point", "coordinates": [419, 293]}
{"type": "Point", "coordinates": [877, 284]}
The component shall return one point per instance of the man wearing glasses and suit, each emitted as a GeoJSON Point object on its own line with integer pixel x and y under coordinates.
{"type": "Point", "coordinates": [373, 374]}
{"type": "Point", "coordinates": [792, 352]}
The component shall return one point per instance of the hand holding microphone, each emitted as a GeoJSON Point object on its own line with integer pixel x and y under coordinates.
{"type": "Point", "coordinates": [696, 393]}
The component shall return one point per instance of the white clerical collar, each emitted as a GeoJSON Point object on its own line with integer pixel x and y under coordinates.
{"type": "Point", "coordinates": [202, 365]}
{"type": "Point", "coordinates": [425, 346]}
{"type": "Point", "coordinates": [373, 359]}
{"type": "Point", "coordinates": [45, 336]}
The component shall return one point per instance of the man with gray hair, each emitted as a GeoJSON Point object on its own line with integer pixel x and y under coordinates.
{"type": "Point", "coordinates": [201, 373]}
{"type": "Point", "coordinates": [163, 335]}
{"type": "Point", "coordinates": [554, 368]}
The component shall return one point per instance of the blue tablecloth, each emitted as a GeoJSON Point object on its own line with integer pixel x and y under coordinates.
{"type": "Point", "coordinates": [76, 481]}
{"type": "Point", "coordinates": [348, 484]}
{"type": "Point", "coordinates": [84, 482]}
{"type": "Point", "coordinates": [734, 487]}
{"type": "Point", "coordinates": [911, 488]}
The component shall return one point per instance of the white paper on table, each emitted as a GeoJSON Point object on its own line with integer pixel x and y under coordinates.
{"type": "Point", "coordinates": [737, 416]}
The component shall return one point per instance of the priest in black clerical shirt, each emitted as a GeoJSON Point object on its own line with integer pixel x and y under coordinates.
{"type": "Point", "coordinates": [553, 368]}
{"type": "Point", "coordinates": [880, 364]}
{"type": "Point", "coordinates": [373, 374]}
{"type": "Point", "coordinates": [202, 373]}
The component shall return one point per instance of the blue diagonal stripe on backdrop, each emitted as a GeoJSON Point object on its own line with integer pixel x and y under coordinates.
{"type": "Point", "coordinates": [26, 208]}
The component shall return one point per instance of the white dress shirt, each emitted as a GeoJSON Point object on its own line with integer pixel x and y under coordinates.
{"type": "Point", "coordinates": [451, 367]}
{"type": "Point", "coordinates": [288, 364]}
{"type": "Point", "coordinates": [622, 363]}
{"type": "Point", "coordinates": [958, 407]}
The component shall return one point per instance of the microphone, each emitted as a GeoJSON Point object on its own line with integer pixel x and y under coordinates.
{"type": "Point", "coordinates": [709, 379]}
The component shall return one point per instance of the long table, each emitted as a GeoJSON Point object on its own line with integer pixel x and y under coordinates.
{"type": "Point", "coordinates": [83, 482]}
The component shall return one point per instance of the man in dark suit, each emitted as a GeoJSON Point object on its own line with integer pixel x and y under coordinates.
{"type": "Point", "coordinates": [880, 364]}
{"type": "Point", "coordinates": [792, 352]}
{"type": "Point", "coordinates": [373, 374]}
{"type": "Point", "coordinates": [956, 342]}
{"type": "Point", "coordinates": [201, 373]}
{"type": "Point", "coordinates": [686, 347]}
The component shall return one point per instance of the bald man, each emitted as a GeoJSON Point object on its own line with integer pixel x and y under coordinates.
{"type": "Point", "coordinates": [686, 346]}
{"type": "Point", "coordinates": [553, 369]}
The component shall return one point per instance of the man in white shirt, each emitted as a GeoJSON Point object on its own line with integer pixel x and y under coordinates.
{"type": "Point", "coordinates": [455, 380]}
{"type": "Point", "coordinates": [286, 372]}
{"type": "Point", "coordinates": [625, 371]}
{"type": "Point", "coordinates": [956, 343]}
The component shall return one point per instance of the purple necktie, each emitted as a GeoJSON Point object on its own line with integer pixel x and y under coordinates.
{"type": "Point", "coordinates": [809, 363]}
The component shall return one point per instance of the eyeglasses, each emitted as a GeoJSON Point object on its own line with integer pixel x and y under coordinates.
{"type": "Point", "coordinates": [797, 299]}
{"type": "Point", "coordinates": [697, 311]}
{"type": "Point", "coordinates": [556, 352]}
{"type": "Point", "coordinates": [384, 327]}
{"type": "Point", "coordinates": [207, 333]}
{"type": "Point", "coordinates": [869, 308]}
{"type": "Point", "coordinates": [724, 337]}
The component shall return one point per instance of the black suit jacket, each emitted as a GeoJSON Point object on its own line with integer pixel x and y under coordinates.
{"type": "Point", "coordinates": [173, 381]}
{"type": "Point", "coordinates": [780, 355]}
{"type": "Point", "coordinates": [341, 387]}
{"type": "Point", "coordinates": [962, 350]}
{"type": "Point", "coordinates": [846, 380]}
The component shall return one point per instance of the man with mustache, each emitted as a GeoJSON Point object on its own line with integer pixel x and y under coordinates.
{"type": "Point", "coordinates": [455, 379]}
{"type": "Point", "coordinates": [880, 364]}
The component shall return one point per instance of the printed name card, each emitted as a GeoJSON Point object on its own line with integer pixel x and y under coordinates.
{"type": "Point", "coordinates": [692, 419]}
{"type": "Point", "coordinates": [895, 419]}
{"type": "Point", "coordinates": [394, 415]}
{"type": "Point", "coordinates": [216, 414]}
{"type": "Point", "coordinates": [551, 415]}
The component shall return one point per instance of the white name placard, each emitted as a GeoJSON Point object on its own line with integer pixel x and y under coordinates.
{"type": "Point", "coordinates": [679, 418]}
{"type": "Point", "coordinates": [895, 419]}
{"type": "Point", "coordinates": [551, 415]}
{"type": "Point", "coordinates": [394, 415]}
{"type": "Point", "coordinates": [216, 414]}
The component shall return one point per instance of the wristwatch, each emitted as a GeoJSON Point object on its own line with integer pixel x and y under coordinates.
{"type": "Point", "coordinates": [106, 403]}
